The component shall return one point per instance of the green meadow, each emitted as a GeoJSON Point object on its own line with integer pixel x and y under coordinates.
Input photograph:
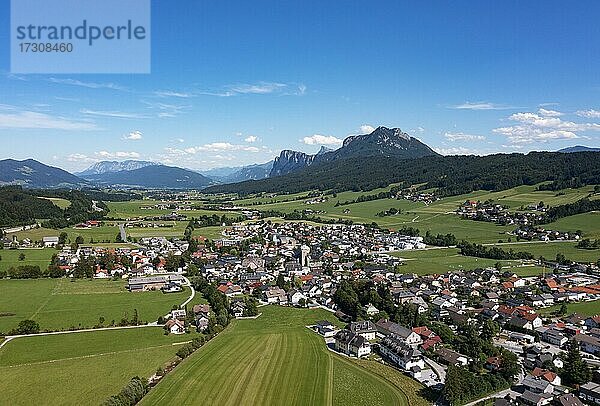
{"type": "Point", "coordinates": [58, 304]}
{"type": "Point", "coordinates": [81, 368]}
{"type": "Point", "coordinates": [275, 359]}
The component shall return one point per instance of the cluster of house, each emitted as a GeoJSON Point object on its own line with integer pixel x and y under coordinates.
{"type": "Point", "coordinates": [537, 233]}
{"type": "Point", "coordinates": [177, 319]}
{"type": "Point", "coordinates": [416, 196]}
{"type": "Point", "coordinates": [497, 213]}
{"type": "Point", "coordinates": [400, 346]}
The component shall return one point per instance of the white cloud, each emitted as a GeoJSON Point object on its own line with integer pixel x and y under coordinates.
{"type": "Point", "coordinates": [166, 110]}
{"type": "Point", "coordinates": [532, 127]}
{"type": "Point", "coordinates": [101, 155]}
{"type": "Point", "coordinates": [293, 89]}
{"type": "Point", "coordinates": [259, 88]}
{"type": "Point", "coordinates": [30, 119]}
{"type": "Point", "coordinates": [459, 136]}
{"type": "Point", "coordinates": [457, 151]}
{"type": "Point", "coordinates": [171, 93]}
{"type": "Point", "coordinates": [80, 158]}
{"type": "Point", "coordinates": [480, 106]}
{"type": "Point", "coordinates": [90, 85]}
{"type": "Point", "coordinates": [589, 113]}
{"type": "Point", "coordinates": [112, 114]}
{"type": "Point", "coordinates": [134, 135]}
{"type": "Point", "coordinates": [213, 147]}
{"type": "Point", "coordinates": [118, 154]}
{"type": "Point", "coordinates": [318, 139]}
{"type": "Point", "coordinates": [366, 129]}
{"type": "Point", "coordinates": [251, 138]}
{"type": "Point", "coordinates": [549, 113]}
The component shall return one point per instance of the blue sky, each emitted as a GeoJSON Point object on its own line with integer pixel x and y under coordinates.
{"type": "Point", "coordinates": [233, 83]}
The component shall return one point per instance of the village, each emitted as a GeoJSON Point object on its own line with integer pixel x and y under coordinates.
{"type": "Point", "coordinates": [302, 265]}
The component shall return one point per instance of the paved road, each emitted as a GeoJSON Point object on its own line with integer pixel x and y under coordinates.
{"type": "Point", "coordinates": [123, 233]}
{"type": "Point", "coordinates": [192, 294]}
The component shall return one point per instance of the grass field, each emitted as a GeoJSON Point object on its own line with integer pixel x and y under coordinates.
{"type": "Point", "coordinates": [589, 223]}
{"type": "Point", "coordinates": [582, 308]}
{"type": "Point", "coordinates": [80, 368]}
{"type": "Point", "coordinates": [550, 249]}
{"type": "Point", "coordinates": [439, 216]}
{"type": "Point", "coordinates": [438, 261]}
{"type": "Point", "coordinates": [61, 203]}
{"type": "Point", "coordinates": [58, 304]}
{"type": "Point", "coordinates": [275, 360]}
{"type": "Point", "coordinates": [39, 257]}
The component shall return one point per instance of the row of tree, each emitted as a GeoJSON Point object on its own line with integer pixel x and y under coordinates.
{"type": "Point", "coordinates": [481, 251]}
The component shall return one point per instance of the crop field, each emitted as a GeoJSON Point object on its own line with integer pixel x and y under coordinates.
{"type": "Point", "coordinates": [274, 359]}
{"type": "Point", "coordinates": [58, 304]}
{"type": "Point", "coordinates": [81, 368]}
{"type": "Point", "coordinates": [438, 261]}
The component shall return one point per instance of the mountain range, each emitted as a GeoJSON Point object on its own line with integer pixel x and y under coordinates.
{"type": "Point", "coordinates": [382, 142]}
{"type": "Point", "coordinates": [113, 166]}
{"type": "Point", "coordinates": [33, 174]}
{"type": "Point", "coordinates": [384, 156]}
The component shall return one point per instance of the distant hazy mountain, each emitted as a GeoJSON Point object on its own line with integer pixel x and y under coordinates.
{"type": "Point", "coordinates": [33, 174]}
{"type": "Point", "coordinates": [239, 173]}
{"type": "Point", "coordinates": [579, 148]}
{"type": "Point", "coordinates": [250, 172]}
{"type": "Point", "coordinates": [220, 173]}
{"type": "Point", "coordinates": [113, 166]}
{"type": "Point", "coordinates": [382, 142]}
{"type": "Point", "coordinates": [153, 176]}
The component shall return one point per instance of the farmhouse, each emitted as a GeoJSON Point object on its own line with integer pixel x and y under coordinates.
{"type": "Point", "coordinates": [175, 326]}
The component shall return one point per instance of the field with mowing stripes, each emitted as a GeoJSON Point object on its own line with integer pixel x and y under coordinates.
{"type": "Point", "coordinates": [58, 304]}
{"type": "Point", "coordinates": [276, 360]}
{"type": "Point", "coordinates": [80, 368]}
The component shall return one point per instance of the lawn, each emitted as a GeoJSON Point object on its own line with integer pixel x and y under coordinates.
{"type": "Point", "coordinates": [275, 360]}
{"type": "Point", "coordinates": [58, 304]}
{"type": "Point", "coordinates": [81, 368]}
